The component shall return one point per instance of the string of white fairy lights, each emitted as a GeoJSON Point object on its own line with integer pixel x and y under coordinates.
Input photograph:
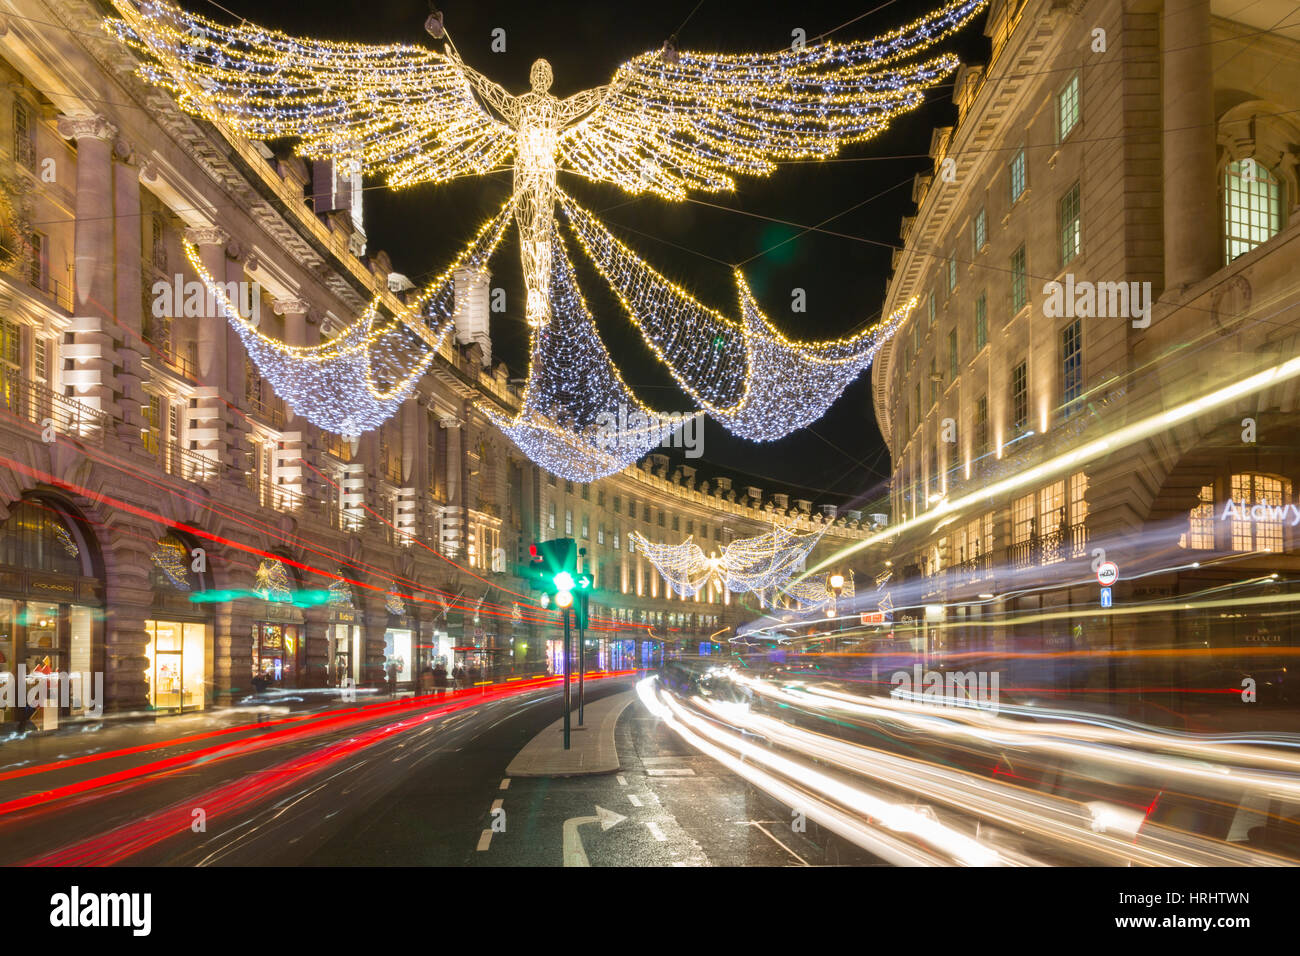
{"type": "Point", "coordinates": [669, 123]}
{"type": "Point", "coordinates": [759, 564]}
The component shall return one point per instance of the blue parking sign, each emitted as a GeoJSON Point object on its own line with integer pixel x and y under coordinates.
{"type": "Point", "coordinates": [1105, 597]}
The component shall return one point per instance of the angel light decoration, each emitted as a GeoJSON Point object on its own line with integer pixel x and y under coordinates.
{"type": "Point", "coordinates": [670, 123]}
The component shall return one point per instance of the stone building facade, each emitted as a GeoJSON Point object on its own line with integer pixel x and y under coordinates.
{"type": "Point", "coordinates": [160, 505]}
{"type": "Point", "coordinates": [1103, 355]}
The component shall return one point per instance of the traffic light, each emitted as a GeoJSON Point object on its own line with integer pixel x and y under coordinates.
{"type": "Point", "coordinates": [554, 572]}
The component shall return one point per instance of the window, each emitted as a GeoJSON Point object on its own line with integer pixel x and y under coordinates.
{"type": "Point", "coordinates": [1019, 397]}
{"type": "Point", "coordinates": [1200, 522]}
{"type": "Point", "coordinates": [1067, 108]}
{"type": "Point", "coordinates": [981, 322]}
{"type": "Point", "coordinates": [917, 391]}
{"type": "Point", "coordinates": [617, 535]}
{"type": "Point", "coordinates": [24, 135]}
{"type": "Point", "coordinates": [952, 356]}
{"type": "Point", "coordinates": [40, 359]}
{"type": "Point", "coordinates": [930, 308]}
{"type": "Point", "coordinates": [1022, 520]}
{"type": "Point", "coordinates": [980, 230]}
{"type": "Point", "coordinates": [934, 468]}
{"type": "Point", "coordinates": [37, 272]}
{"type": "Point", "coordinates": [158, 250]}
{"type": "Point", "coordinates": [600, 535]}
{"type": "Point", "coordinates": [618, 504]}
{"type": "Point", "coordinates": [10, 337]}
{"type": "Point", "coordinates": [645, 513]}
{"type": "Point", "coordinates": [952, 273]}
{"type": "Point", "coordinates": [677, 522]}
{"type": "Point", "coordinates": [586, 492]}
{"type": "Point", "coordinates": [916, 338]}
{"type": "Point", "coordinates": [1250, 533]}
{"type": "Point", "coordinates": [934, 383]}
{"type": "Point", "coordinates": [661, 517]}
{"type": "Point", "coordinates": [1051, 521]}
{"type": "Point", "coordinates": [1019, 289]}
{"type": "Point", "coordinates": [1252, 206]}
{"type": "Point", "coordinates": [1071, 364]}
{"type": "Point", "coordinates": [982, 426]}
{"type": "Point", "coordinates": [586, 527]}
{"type": "Point", "coordinates": [550, 517]}
{"type": "Point", "coordinates": [1017, 175]}
{"type": "Point", "coordinates": [568, 522]}
{"type": "Point", "coordinates": [600, 499]}
{"type": "Point", "coordinates": [568, 487]}
{"type": "Point", "coordinates": [1068, 217]}
{"type": "Point", "coordinates": [1078, 514]}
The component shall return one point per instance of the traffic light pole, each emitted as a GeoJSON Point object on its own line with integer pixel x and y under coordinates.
{"type": "Point", "coordinates": [568, 700]}
{"type": "Point", "coordinates": [582, 667]}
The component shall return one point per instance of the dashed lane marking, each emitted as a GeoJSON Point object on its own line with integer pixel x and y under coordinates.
{"type": "Point", "coordinates": [634, 800]}
{"type": "Point", "coordinates": [505, 784]}
{"type": "Point", "coordinates": [484, 840]}
{"type": "Point", "coordinates": [655, 832]}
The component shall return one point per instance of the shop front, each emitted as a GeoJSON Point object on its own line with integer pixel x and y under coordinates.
{"type": "Point", "coordinates": [399, 646]}
{"type": "Point", "coordinates": [345, 646]}
{"type": "Point", "coordinates": [179, 651]}
{"type": "Point", "coordinates": [278, 652]}
{"type": "Point", "coordinates": [51, 609]}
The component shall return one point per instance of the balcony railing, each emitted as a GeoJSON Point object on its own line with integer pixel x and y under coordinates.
{"type": "Point", "coordinates": [270, 495]}
{"type": "Point", "coordinates": [175, 460]}
{"type": "Point", "coordinates": [269, 412]}
{"type": "Point", "coordinates": [37, 404]}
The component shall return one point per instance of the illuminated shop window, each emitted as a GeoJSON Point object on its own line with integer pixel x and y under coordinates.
{"type": "Point", "coordinates": [1200, 522]}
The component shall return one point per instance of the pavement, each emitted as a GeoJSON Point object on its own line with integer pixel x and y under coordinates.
{"type": "Point", "coordinates": [591, 749]}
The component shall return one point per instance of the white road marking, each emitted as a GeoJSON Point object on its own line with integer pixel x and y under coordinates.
{"type": "Point", "coordinates": [496, 805]}
{"type": "Point", "coordinates": [801, 860]}
{"type": "Point", "coordinates": [634, 799]}
{"type": "Point", "coordinates": [655, 831]}
{"type": "Point", "coordinates": [622, 780]}
{"type": "Point", "coordinates": [484, 840]}
{"type": "Point", "coordinates": [672, 772]}
{"type": "Point", "coordinates": [505, 784]}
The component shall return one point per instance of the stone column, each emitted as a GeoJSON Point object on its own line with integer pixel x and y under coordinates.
{"type": "Point", "coordinates": [452, 523]}
{"type": "Point", "coordinates": [1191, 195]}
{"type": "Point", "coordinates": [91, 377]}
{"type": "Point", "coordinates": [129, 303]}
{"type": "Point", "coordinates": [294, 447]}
{"type": "Point", "coordinates": [207, 420]}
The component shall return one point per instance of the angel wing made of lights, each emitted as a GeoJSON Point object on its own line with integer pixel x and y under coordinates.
{"type": "Point", "coordinates": [669, 123]}
{"type": "Point", "coordinates": [756, 564]}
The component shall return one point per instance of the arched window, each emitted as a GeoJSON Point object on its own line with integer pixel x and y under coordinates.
{"type": "Point", "coordinates": [37, 537]}
{"type": "Point", "coordinates": [1252, 206]}
{"type": "Point", "coordinates": [1259, 511]}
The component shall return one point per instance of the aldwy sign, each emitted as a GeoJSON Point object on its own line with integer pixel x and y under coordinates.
{"type": "Point", "coordinates": [1247, 512]}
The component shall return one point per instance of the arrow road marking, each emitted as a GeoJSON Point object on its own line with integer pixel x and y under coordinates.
{"type": "Point", "coordinates": [574, 854]}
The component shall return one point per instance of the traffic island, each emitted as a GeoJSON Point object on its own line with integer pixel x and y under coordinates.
{"type": "Point", "coordinates": [591, 751]}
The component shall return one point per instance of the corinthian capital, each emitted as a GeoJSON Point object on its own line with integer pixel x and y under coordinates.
{"type": "Point", "coordinates": [87, 127]}
{"type": "Point", "coordinates": [207, 236]}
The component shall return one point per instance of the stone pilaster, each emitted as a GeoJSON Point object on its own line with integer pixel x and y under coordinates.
{"type": "Point", "coordinates": [1191, 214]}
{"type": "Point", "coordinates": [91, 377]}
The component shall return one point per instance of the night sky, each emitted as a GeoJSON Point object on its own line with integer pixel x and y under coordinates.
{"type": "Point", "coordinates": [841, 458]}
